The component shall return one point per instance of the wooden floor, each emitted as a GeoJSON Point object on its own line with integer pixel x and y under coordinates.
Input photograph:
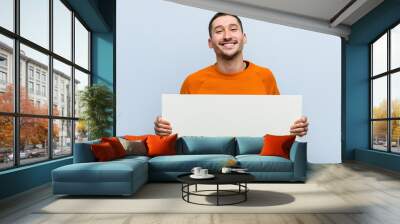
{"type": "Point", "coordinates": [378, 188]}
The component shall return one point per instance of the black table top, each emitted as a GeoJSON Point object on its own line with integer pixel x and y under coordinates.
{"type": "Point", "coordinates": [220, 178]}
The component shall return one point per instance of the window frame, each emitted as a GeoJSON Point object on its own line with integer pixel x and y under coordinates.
{"type": "Point", "coordinates": [15, 72]}
{"type": "Point", "coordinates": [388, 74]}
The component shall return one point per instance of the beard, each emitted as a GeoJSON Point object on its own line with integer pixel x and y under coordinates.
{"type": "Point", "coordinates": [230, 56]}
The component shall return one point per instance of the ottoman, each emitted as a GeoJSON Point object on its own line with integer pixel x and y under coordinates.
{"type": "Point", "coordinates": [118, 177]}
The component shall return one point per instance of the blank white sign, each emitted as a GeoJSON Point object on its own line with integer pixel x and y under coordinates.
{"type": "Point", "coordinates": [231, 115]}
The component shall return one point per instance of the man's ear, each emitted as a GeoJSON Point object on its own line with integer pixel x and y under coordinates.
{"type": "Point", "coordinates": [244, 38]}
{"type": "Point", "coordinates": [209, 43]}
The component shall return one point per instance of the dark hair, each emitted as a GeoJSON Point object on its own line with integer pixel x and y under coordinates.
{"type": "Point", "coordinates": [219, 14]}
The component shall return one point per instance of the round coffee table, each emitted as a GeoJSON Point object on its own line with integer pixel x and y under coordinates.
{"type": "Point", "coordinates": [238, 179]}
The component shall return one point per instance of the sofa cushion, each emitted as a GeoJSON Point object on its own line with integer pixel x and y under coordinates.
{"type": "Point", "coordinates": [197, 145]}
{"type": "Point", "coordinates": [116, 145]}
{"type": "Point", "coordinates": [103, 152]}
{"type": "Point", "coordinates": [257, 163]}
{"type": "Point", "coordinates": [275, 145]}
{"type": "Point", "coordinates": [111, 171]}
{"type": "Point", "coordinates": [136, 137]}
{"type": "Point", "coordinates": [249, 145]}
{"type": "Point", "coordinates": [131, 158]}
{"type": "Point", "coordinates": [161, 145]}
{"type": "Point", "coordinates": [185, 163]}
{"type": "Point", "coordinates": [134, 147]}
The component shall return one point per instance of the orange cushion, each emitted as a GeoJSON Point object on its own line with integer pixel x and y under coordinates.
{"type": "Point", "coordinates": [277, 145]}
{"type": "Point", "coordinates": [136, 137]}
{"type": "Point", "coordinates": [161, 145]}
{"type": "Point", "coordinates": [103, 151]}
{"type": "Point", "coordinates": [116, 145]}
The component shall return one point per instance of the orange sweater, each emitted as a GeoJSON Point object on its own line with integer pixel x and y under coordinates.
{"type": "Point", "coordinates": [254, 80]}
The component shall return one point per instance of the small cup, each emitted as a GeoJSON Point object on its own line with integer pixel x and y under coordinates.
{"type": "Point", "coordinates": [203, 172]}
{"type": "Point", "coordinates": [196, 170]}
{"type": "Point", "coordinates": [226, 170]}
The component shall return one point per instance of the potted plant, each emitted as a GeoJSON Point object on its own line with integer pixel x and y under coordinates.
{"type": "Point", "coordinates": [96, 102]}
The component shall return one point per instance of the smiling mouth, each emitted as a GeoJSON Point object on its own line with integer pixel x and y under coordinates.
{"type": "Point", "coordinates": [228, 45]}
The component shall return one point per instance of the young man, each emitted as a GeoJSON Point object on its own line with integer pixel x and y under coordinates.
{"type": "Point", "coordinates": [231, 74]}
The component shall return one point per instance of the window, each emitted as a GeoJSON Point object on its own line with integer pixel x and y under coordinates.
{"type": "Point", "coordinates": [43, 77]}
{"type": "Point", "coordinates": [81, 81]}
{"type": "Point", "coordinates": [7, 14]}
{"type": "Point", "coordinates": [62, 75]}
{"type": "Point", "coordinates": [3, 78]}
{"type": "Point", "coordinates": [35, 21]}
{"type": "Point", "coordinates": [30, 72]}
{"type": "Point", "coordinates": [6, 74]}
{"type": "Point", "coordinates": [3, 72]}
{"type": "Point", "coordinates": [37, 75]}
{"type": "Point", "coordinates": [62, 29]}
{"type": "Point", "coordinates": [30, 87]}
{"type": "Point", "coordinates": [44, 131]}
{"type": "Point", "coordinates": [81, 45]}
{"type": "Point", "coordinates": [385, 91]}
{"type": "Point", "coordinates": [44, 91]}
{"type": "Point", "coordinates": [62, 140]}
{"type": "Point", "coordinates": [38, 89]}
{"type": "Point", "coordinates": [3, 61]}
{"type": "Point", "coordinates": [6, 142]}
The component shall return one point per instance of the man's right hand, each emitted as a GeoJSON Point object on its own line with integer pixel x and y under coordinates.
{"type": "Point", "coordinates": [162, 127]}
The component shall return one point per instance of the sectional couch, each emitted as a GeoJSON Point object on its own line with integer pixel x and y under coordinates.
{"type": "Point", "coordinates": [126, 175]}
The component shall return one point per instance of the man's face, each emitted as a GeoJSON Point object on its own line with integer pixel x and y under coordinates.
{"type": "Point", "coordinates": [227, 38]}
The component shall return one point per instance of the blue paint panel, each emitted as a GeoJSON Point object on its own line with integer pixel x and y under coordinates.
{"type": "Point", "coordinates": [103, 61]}
{"type": "Point", "coordinates": [357, 98]}
{"type": "Point", "coordinates": [89, 11]}
{"type": "Point", "coordinates": [102, 58]}
{"type": "Point", "coordinates": [382, 159]}
{"type": "Point", "coordinates": [357, 74]}
{"type": "Point", "coordinates": [375, 22]}
{"type": "Point", "coordinates": [24, 178]}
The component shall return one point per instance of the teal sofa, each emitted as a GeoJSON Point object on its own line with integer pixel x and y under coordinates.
{"type": "Point", "coordinates": [125, 176]}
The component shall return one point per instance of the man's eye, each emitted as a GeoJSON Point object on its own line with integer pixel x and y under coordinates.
{"type": "Point", "coordinates": [218, 31]}
{"type": "Point", "coordinates": [234, 29]}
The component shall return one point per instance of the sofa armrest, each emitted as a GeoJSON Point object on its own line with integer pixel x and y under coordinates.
{"type": "Point", "coordinates": [298, 155]}
{"type": "Point", "coordinates": [83, 152]}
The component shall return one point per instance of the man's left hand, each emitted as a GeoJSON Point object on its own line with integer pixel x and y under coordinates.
{"type": "Point", "coordinates": [300, 127]}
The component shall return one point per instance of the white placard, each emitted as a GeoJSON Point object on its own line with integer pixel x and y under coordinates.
{"type": "Point", "coordinates": [231, 115]}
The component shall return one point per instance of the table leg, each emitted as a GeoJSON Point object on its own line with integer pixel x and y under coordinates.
{"type": "Point", "coordinates": [188, 190]}
{"type": "Point", "coordinates": [196, 188]}
{"type": "Point", "coordinates": [245, 191]}
{"type": "Point", "coordinates": [217, 194]}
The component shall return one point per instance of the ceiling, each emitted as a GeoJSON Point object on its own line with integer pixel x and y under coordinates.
{"type": "Point", "coordinates": [326, 16]}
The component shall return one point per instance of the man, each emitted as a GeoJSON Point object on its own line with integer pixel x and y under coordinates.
{"type": "Point", "coordinates": [231, 74]}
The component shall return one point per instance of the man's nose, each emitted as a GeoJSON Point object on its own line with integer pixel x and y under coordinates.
{"type": "Point", "coordinates": [227, 35]}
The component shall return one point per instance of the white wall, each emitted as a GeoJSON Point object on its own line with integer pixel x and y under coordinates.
{"type": "Point", "coordinates": [159, 43]}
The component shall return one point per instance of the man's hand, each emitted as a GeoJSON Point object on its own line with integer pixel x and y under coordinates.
{"type": "Point", "coordinates": [162, 127]}
{"type": "Point", "coordinates": [300, 127]}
